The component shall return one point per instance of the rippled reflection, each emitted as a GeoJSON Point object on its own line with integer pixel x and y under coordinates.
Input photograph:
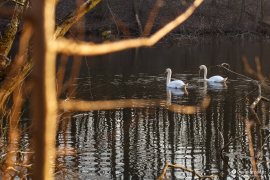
{"type": "Point", "coordinates": [135, 138]}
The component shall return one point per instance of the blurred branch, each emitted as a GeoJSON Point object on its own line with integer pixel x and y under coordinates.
{"type": "Point", "coordinates": [43, 101]}
{"type": "Point", "coordinates": [80, 105]}
{"type": "Point", "coordinates": [83, 48]}
{"type": "Point", "coordinates": [253, 161]}
{"type": "Point", "coordinates": [14, 131]}
{"type": "Point", "coordinates": [6, 12]}
{"type": "Point", "coordinates": [72, 18]}
{"type": "Point", "coordinates": [61, 74]}
{"type": "Point", "coordinates": [19, 68]}
{"type": "Point", "coordinates": [258, 74]}
{"type": "Point", "coordinates": [152, 16]}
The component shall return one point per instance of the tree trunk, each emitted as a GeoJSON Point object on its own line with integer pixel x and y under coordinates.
{"type": "Point", "coordinates": [44, 103]}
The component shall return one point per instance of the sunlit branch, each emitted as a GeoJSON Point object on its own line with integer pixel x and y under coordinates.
{"type": "Point", "coordinates": [67, 46]}
{"type": "Point", "coordinates": [14, 131]}
{"type": "Point", "coordinates": [80, 105]}
{"type": "Point", "coordinates": [44, 103]}
{"type": "Point", "coordinates": [258, 74]}
{"type": "Point", "coordinates": [16, 73]}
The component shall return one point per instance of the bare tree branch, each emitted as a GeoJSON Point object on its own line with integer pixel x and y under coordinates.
{"type": "Point", "coordinates": [152, 16]}
{"type": "Point", "coordinates": [83, 48]}
{"type": "Point", "coordinates": [80, 105]}
{"type": "Point", "coordinates": [44, 103]}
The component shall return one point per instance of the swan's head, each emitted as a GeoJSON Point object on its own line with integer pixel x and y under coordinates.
{"type": "Point", "coordinates": [168, 70]}
{"type": "Point", "coordinates": [202, 67]}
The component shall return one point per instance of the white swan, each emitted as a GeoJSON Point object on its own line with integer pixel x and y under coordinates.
{"type": "Point", "coordinates": [176, 84]}
{"type": "Point", "coordinates": [214, 79]}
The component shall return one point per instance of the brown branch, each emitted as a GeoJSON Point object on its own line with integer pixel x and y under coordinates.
{"type": "Point", "coordinates": [163, 174]}
{"type": "Point", "coordinates": [61, 74]}
{"type": "Point", "coordinates": [256, 74]}
{"type": "Point", "coordinates": [167, 165]}
{"type": "Point", "coordinates": [253, 161]}
{"type": "Point", "coordinates": [14, 133]}
{"type": "Point", "coordinates": [152, 16]}
{"type": "Point", "coordinates": [43, 102]}
{"type": "Point", "coordinates": [80, 105]}
{"type": "Point", "coordinates": [18, 70]}
{"type": "Point", "coordinates": [257, 100]}
{"type": "Point", "coordinates": [72, 18]}
{"type": "Point", "coordinates": [83, 48]}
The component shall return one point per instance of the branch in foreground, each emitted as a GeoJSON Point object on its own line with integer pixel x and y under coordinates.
{"type": "Point", "coordinates": [80, 105]}
{"type": "Point", "coordinates": [82, 48]}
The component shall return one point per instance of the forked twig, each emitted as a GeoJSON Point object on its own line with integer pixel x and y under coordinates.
{"type": "Point", "coordinates": [257, 100]}
{"type": "Point", "coordinates": [167, 165]}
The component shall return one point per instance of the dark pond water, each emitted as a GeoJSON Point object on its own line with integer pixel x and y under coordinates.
{"type": "Point", "coordinates": [135, 143]}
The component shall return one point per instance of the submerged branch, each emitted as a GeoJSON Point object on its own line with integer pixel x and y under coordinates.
{"type": "Point", "coordinates": [167, 165]}
{"type": "Point", "coordinates": [83, 48]}
{"type": "Point", "coordinates": [253, 161]}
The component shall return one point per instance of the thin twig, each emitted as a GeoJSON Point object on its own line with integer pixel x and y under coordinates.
{"type": "Point", "coordinates": [259, 97]}
{"type": "Point", "coordinates": [265, 99]}
{"type": "Point", "coordinates": [227, 144]}
{"type": "Point", "coordinates": [167, 165]}
{"type": "Point", "coordinates": [238, 74]}
{"type": "Point", "coordinates": [164, 171]}
{"type": "Point", "coordinates": [257, 100]}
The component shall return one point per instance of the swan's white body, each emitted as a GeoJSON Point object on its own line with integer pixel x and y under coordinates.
{"type": "Point", "coordinates": [213, 79]}
{"type": "Point", "coordinates": [176, 84]}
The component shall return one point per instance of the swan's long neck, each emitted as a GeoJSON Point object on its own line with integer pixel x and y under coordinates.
{"type": "Point", "coordinates": [169, 97]}
{"type": "Point", "coordinates": [169, 77]}
{"type": "Point", "coordinates": [204, 72]}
